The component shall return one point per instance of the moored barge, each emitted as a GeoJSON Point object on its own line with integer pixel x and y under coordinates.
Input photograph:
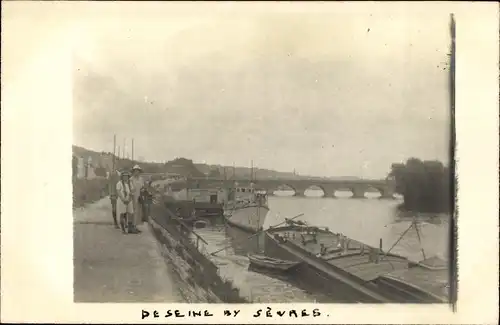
{"type": "Point", "coordinates": [350, 271]}
{"type": "Point", "coordinates": [193, 203]}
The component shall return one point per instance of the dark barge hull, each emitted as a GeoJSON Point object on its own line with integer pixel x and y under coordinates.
{"type": "Point", "coordinates": [339, 284]}
{"type": "Point", "coordinates": [399, 292]}
{"type": "Point", "coordinates": [317, 278]}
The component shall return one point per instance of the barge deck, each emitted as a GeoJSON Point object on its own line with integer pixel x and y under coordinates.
{"type": "Point", "coordinates": [352, 271]}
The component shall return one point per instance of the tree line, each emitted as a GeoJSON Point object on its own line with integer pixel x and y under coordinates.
{"type": "Point", "coordinates": [425, 185]}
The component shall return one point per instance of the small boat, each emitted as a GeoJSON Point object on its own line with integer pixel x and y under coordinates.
{"type": "Point", "coordinates": [271, 263]}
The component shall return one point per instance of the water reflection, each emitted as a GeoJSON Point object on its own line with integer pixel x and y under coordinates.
{"type": "Point", "coordinates": [312, 192]}
{"type": "Point", "coordinates": [244, 243]}
{"type": "Point", "coordinates": [372, 194]}
{"type": "Point", "coordinates": [343, 194]}
{"type": "Point", "coordinates": [284, 193]}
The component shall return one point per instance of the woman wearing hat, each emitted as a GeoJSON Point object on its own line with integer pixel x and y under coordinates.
{"type": "Point", "coordinates": [125, 206]}
{"type": "Point", "coordinates": [138, 185]}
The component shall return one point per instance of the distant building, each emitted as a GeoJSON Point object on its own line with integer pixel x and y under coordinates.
{"type": "Point", "coordinates": [89, 169]}
{"type": "Point", "coordinates": [80, 174]}
{"type": "Point", "coordinates": [83, 168]}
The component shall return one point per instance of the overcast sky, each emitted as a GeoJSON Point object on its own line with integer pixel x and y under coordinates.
{"type": "Point", "coordinates": [329, 93]}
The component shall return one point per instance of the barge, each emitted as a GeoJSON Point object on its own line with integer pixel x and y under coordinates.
{"type": "Point", "coordinates": [350, 271]}
{"type": "Point", "coordinates": [193, 203]}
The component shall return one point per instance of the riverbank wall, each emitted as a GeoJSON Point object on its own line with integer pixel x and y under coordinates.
{"type": "Point", "coordinates": [200, 277]}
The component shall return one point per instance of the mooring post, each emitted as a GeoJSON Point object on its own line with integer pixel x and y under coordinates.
{"type": "Point", "coordinates": [379, 250]}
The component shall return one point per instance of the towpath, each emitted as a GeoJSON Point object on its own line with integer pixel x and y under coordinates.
{"type": "Point", "coordinates": [110, 266]}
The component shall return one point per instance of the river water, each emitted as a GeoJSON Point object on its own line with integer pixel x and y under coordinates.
{"type": "Point", "coordinates": [366, 220]}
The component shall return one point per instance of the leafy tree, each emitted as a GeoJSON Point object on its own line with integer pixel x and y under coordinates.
{"type": "Point", "coordinates": [425, 185]}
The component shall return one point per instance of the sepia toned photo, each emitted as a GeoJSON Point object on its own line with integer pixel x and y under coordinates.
{"type": "Point", "coordinates": [279, 157]}
{"type": "Point", "coordinates": [249, 162]}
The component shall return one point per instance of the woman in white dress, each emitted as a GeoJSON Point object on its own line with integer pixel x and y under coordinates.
{"type": "Point", "coordinates": [125, 206]}
{"type": "Point", "coordinates": [137, 185]}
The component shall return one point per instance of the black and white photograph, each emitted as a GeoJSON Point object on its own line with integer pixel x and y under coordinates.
{"type": "Point", "coordinates": [278, 157]}
{"type": "Point", "coordinates": [248, 162]}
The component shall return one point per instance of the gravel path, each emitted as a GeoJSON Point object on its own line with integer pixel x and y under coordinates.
{"type": "Point", "coordinates": [112, 267]}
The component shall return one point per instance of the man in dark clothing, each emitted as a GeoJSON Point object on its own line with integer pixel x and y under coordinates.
{"type": "Point", "coordinates": [113, 197]}
{"type": "Point", "coordinates": [145, 200]}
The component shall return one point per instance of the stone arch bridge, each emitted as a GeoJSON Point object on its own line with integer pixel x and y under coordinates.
{"type": "Point", "coordinates": [386, 188]}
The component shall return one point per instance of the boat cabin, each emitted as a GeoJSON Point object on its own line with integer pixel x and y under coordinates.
{"type": "Point", "coordinates": [245, 195]}
{"type": "Point", "coordinates": [199, 195]}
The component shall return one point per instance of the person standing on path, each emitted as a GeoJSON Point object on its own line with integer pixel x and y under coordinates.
{"type": "Point", "coordinates": [146, 199]}
{"type": "Point", "coordinates": [138, 185]}
{"type": "Point", "coordinates": [125, 205]}
{"type": "Point", "coordinates": [113, 197]}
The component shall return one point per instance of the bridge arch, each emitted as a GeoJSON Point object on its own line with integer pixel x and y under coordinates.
{"type": "Point", "coordinates": [372, 192]}
{"type": "Point", "coordinates": [315, 191]}
{"type": "Point", "coordinates": [285, 190]}
{"type": "Point", "coordinates": [386, 192]}
{"type": "Point", "coordinates": [343, 192]}
{"type": "Point", "coordinates": [330, 188]}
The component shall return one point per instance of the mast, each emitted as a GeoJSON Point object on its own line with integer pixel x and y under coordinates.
{"type": "Point", "coordinates": [114, 152]}
{"type": "Point", "coordinates": [258, 222]}
{"type": "Point", "coordinates": [132, 148]}
{"type": "Point", "coordinates": [251, 170]}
